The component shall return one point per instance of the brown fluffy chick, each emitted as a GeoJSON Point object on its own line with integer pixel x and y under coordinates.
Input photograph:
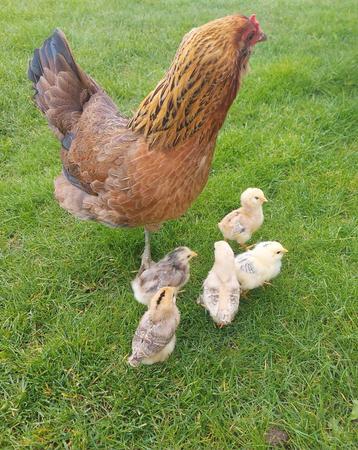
{"type": "Point", "coordinates": [150, 168]}
{"type": "Point", "coordinates": [172, 270]}
{"type": "Point", "coordinates": [154, 339]}
{"type": "Point", "coordinates": [240, 224]}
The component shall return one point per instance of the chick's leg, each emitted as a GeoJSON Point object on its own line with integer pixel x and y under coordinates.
{"type": "Point", "coordinates": [243, 246]}
{"type": "Point", "coordinates": [246, 247]}
{"type": "Point", "coordinates": [146, 257]}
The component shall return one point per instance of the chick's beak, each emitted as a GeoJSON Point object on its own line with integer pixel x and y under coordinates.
{"type": "Point", "coordinates": [193, 254]}
{"type": "Point", "coordinates": [264, 199]}
{"type": "Point", "coordinates": [285, 250]}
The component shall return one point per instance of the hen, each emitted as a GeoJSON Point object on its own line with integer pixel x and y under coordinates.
{"type": "Point", "coordinates": [149, 169]}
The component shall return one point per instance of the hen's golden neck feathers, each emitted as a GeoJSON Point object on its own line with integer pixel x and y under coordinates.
{"type": "Point", "coordinates": [199, 87]}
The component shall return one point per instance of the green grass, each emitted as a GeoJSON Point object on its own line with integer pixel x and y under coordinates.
{"type": "Point", "coordinates": [66, 308]}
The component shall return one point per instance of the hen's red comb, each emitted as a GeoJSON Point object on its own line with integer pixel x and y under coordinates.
{"type": "Point", "coordinates": [255, 23]}
{"type": "Point", "coordinates": [253, 20]}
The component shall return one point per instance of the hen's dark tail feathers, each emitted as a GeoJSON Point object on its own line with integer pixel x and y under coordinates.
{"type": "Point", "coordinates": [61, 87]}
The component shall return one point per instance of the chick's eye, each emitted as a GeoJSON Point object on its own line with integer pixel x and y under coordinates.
{"type": "Point", "coordinates": [278, 252]}
{"type": "Point", "coordinates": [256, 198]}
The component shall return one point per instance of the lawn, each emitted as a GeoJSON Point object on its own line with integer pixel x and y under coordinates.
{"type": "Point", "coordinates": [67, 312]}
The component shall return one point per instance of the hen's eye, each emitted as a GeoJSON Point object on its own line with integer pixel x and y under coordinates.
{"type": "Point", "coordinates": [251, 35]}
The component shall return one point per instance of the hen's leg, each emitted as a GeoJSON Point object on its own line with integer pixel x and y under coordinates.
{"type": "Point", "coordinates": [146, 258]}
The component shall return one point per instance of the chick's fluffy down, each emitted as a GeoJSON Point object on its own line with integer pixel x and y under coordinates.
{"type": "Point", "coordinates": [154, 339]}
{"type": "Point", "coordinates": [259, 265]}
{"type": "Point", "coordinates": [221, 290]}
{"type": "Point", "coordinates": [240, 224]}
{"type": "Point", "coordinates": [172, 270]}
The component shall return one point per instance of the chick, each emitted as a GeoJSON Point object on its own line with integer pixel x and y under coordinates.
{"type": "Point", "coordinates": [172, 270]}
{"type": "Point", "coordinates": [258, 266]}
{"type": "Point", "coordinates": [240, 224]}
{"type": "Point", "coordinates": [154, 339]}
{"type": "Point", "coordinates": [221, 294]}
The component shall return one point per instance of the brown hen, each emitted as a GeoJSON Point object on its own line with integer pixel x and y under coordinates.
{"type": "Point", "coordinates": [149, 169]}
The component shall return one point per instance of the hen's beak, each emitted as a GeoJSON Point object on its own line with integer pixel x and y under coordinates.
{"type": "Point", "coordinates": [262, 37]}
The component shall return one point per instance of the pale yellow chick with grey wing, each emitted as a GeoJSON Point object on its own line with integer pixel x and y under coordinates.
{"type": "Point", "coordinates": [240, 224]}
{"type": "Point", "coordinates": [259, 265]}
{"type": "Point", "coordinates": [221, 290]}
{"type": "Point", "coordinates": [172, 270]}
{"type": "Point", "coordinates": [154, 339]}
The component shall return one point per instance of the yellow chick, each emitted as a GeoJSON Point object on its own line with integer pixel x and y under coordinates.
{"type": "Point", "coordinates": [240, 224]}
{"type": "Point", "coordinates": [221, 293]}
{"type": "Point", "coordinates": [154, 339]}
{"type": "Point", "coordinates": [172, 270]}
{"type": "Point", "coordinates": [258, 266]}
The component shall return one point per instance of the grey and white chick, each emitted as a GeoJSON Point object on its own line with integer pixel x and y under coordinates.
{"type": "Point", "coordinates": [172, 270]}
{"type": "Point", "coordinates": [240, 224]}
{"type": "Point", "coordinates": [221, 290]}
{"type": "Point", "coordinates": [259, 265]}
{"type": "Point", "coordinates": [154, 339]}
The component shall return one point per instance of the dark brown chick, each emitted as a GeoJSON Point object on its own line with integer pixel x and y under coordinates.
{"type": "Point", "coordinates": [149, 169]}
